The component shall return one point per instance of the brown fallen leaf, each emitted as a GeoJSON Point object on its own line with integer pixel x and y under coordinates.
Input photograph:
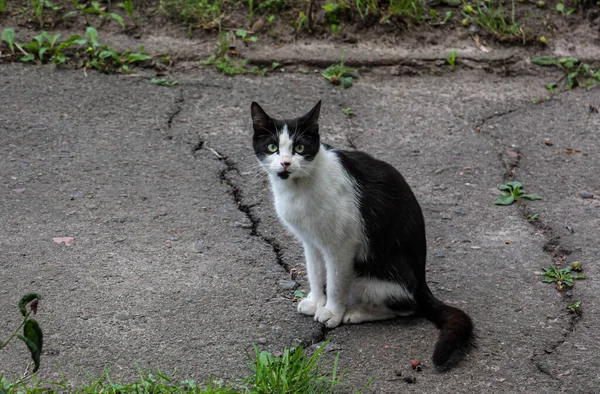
{"type": "Point", "coordinates": [547, 142]}
{"type": "Point", "coordinates": [572, 151]}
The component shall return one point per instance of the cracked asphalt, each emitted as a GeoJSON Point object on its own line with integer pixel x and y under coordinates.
{"type": "Point", "coordinates": [178, 254]}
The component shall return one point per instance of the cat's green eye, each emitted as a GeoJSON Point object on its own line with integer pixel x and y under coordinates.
{"type": "Point", "coordinates": [299, 148]}
{"type": "Point", "coordinates": [272, 148]}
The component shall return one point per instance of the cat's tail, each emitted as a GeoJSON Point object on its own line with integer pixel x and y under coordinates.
{"type": "Point", "coordinates": [455, 325]}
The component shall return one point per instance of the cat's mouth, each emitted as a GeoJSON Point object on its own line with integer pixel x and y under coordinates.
{"type": "Point", "coordinates": [283, 174]}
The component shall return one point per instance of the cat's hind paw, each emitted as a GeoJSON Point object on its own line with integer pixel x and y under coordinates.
{"type": "Point", "coordinates": [331, 318]}
{"type": "Point", "coordinates": [310, 305]}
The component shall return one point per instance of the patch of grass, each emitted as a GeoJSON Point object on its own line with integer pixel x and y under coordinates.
{"type": "Point", "coordinates": [204, 14]}
{"type": "Point", "coordinates": [94, 9]}
{"type": "Point", "coordinates": [515, 192]}
{"type": "Point", "coordinates": [292, 371]}
{"type": "Point", "coordinates": [410, 11]}
{"type": "Point", "coordinates": [562, 277]}
{"type": "Point", "coordinates": [339, 74]}
{"type": "Point", "coordinates": [452, 59]}
{"type": "Point", "coordinates": [128, 7]}
{"type": "Point", "coordinates": [36, 9]}
{"type": "Point", "coordinates": [576, 72]}
{"type": "Point", "coordinates": [495, 20]}
{"type": "Point", "coordinates": [348, 112]}
{"type": "Point", "coordinates": [243, 34]}
{"type": "Point", "coordinates": [273, 6]}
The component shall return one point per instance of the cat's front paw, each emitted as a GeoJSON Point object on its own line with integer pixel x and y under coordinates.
{"type": "Point", "coordinates": [310, 305]}
{"type": "Point", "coordinates": [331, 317]}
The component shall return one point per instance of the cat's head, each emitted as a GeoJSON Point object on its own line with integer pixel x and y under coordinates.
{"type": "Point", "coordinates": [286, 148]}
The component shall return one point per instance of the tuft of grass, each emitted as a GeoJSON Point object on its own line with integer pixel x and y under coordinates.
{"type": "Point", "coordinates": [494, 20]}
{"type": "Point", "coordinates": [563, 277]}
{"type": "Point", "coordinates": [348, 112]}
{"type": "Point", "coordinates": [293, 371]}
{"type": "Point", "coordinates": [3, 4]}
{"type": "Point", "coordinates": [204, 14]}
{"type": "Point", "coordinates": [410, 11]}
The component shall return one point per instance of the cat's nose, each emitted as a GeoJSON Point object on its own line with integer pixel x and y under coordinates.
{"type": "Point", "coordinates": [285, 164]}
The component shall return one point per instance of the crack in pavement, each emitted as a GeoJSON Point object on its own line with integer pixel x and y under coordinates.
{"type": "Point", "coordinates": [178, 104]}
{"type": "Point", "coordinates": [238, 198]}
{"type": "Point", "coordinates": [511, 160]}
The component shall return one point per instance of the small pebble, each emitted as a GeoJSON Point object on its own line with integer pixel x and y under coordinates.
{"type": "Point", "coordinates": [124, 315]}
{"type": "Point", "coordinates": [440, 255]}
{"type": "Point", "coordinates": [410, 379]}
{"type": "Point", "coordinates": [261, 341]}
{"type": "Point", "coordinates": [174, 238]}
{"type": "Point", "coordinates": [288, 284]}
{"type": "Point", "coordinates": [200, 246]}
{"type": "Point", "coordinates": [459, 212]}
{"type": "Point", "coordinates": [586, 195]}
{"type": "Point", "coordinates": [189, 299]}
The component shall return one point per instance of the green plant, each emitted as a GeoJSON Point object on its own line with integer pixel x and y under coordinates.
{"type": "Point", "coordinates": [243, 34]}
{"type": "Point", "coordinates": [561, 277]}
{"type": "Point", "coordinates": [366, 7]}
{"type": "Point", "coordinates": [3, 4]}
{"type": "Point", "coordinates": [515, 192]}
{"type": "Point", "coordinates": [347, 111]}
{"type": "Point", "coordinates": [495, 21]}
{"type": "Point", "coordinates": [532, 217]}
{"type": "Point", "coordinates": [576, 72]}
{"type": "Point", "coordinates": [127, 5]}
{"type": "Point", "coordinates": [103, 58]}
{"type": "Point", "coordinates": [205, 14]}
{"type": "Point", "coordinates": [339, 74]}
{"type": "Point", "coordinates": [94, 9]}
{"type": "Point", "coordinates": [298, 295]}
{"type": "Point", "coordinates": [8, 36]}
{"type": "Point", "coordinates": [452, 59]}
{"type": "Point", "coordinates": [44, 48]}
{"type": "Point", "coordinates": [333, 9]}
{"type": "Point", "coordinates": [575, 308]}
{"type": "Point", "coordinates": [273, 5]}
{"type": "Point", "coordinates": [560, 7]}
{"type": "Point", "coordinates": [32, 333]}
{"type": "Point", "coordinates": [301, 21]}
{"type": "Point", "coordinates": [411, 11]}
{"type": "Point", "coordinates": [163, 82]}
{"type": "Point", "coordinates": [293, 372]}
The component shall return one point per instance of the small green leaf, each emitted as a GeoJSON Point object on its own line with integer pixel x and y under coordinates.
{"type": "Point", "coordinates": [8, 36]}
{"type": "Point", "coordinates": [505, 199]}
{"type": "Point", "coordinates": [27, 298]}
{"type": "Point", "coordinates": [560, 7]}
{"type": "Point", "coordinates": [534, 196]}
{"type": "Point", "coordinates": [27, 58]}
{"type": "Point", "coordinates": [299, 294]}
{"type": "Point", "coordinates": [347, 82]}
{"type": "Point", "coordinates": [118, 19]}
{"type": "Point", "coordinates": [544, 61]}
{"type": "Point", "coordinates": [33, 333]}
{"type": "Point", "coordinates": [241, 33]}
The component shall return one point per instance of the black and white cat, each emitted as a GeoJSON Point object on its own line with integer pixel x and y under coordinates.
{"type": "Point", "coordinates": [361, 227]}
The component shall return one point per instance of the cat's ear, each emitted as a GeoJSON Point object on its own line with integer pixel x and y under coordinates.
{"type": "Point", "coordinates": [260, 120]}
{"type": "Point", "coordinates": [312, 117]}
